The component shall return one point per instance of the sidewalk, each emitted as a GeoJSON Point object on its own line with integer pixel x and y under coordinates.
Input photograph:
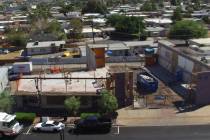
{"type": "Point", "coordinates": [162, 117]}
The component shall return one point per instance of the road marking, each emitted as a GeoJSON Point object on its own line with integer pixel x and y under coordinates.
{"type": "Point", "coordinates": [29, 129]}
{"type": "Point", "coordinates": [118, 130]}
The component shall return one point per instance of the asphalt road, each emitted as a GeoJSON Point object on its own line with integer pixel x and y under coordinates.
{"type": "Point", "coordinates": [129, 133]}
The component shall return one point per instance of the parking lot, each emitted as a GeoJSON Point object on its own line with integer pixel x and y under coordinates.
{"type": "Point", "coordinates": [129, 133]}
{"type": "Point", "coordinates": [68, 132]}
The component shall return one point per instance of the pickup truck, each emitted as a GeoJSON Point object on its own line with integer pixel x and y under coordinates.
{"type": "Point", "coordinates": [93, 124]}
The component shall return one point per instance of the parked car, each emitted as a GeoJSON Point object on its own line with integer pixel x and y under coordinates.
{"type": "Point", "coordinates": [4, 51]}
{"type": "Point", "coordinates": [50, 126]}
{"type": "Point", "coordinates": [93, 124]}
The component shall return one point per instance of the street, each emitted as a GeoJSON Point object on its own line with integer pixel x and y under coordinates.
{"type": "Point", "coordinates": [128, 133]}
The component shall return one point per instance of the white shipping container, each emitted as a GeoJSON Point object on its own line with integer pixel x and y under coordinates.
{"type": "Point", "coordinates": [22, 67]}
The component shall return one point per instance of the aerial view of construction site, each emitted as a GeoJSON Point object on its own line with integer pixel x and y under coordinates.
{"type": "Point", "coordinates": [104, 69]}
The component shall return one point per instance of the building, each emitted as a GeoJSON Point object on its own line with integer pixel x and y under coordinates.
{"type": "Point", "coordinates": [158, 22]}
{"type": "Point", "coordinates": [3, 78]}
{"type": "Point", "coordinates": [156, 31]}
{"type": "Point", "coordinates": [190, 64]}
{"type": "Point", "coordinates": [50, 90]}
{"type": "Point", "coordinates": [88, 32]}
{"type": "Point", "coordinates": [37, 48]}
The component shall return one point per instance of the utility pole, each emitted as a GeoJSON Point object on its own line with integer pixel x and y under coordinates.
{"type": "Point", "coordinates": [139, 30]}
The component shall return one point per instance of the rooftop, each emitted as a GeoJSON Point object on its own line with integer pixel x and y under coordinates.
{"type": "Point", "coordinates": [89, 30]}
{"type": "Point", "coordinates": [159, 20]}
{"type": "Point", "coordinates": [4, 117]}
{"type": "Point", "coordinates": [83, 85]}
{"type": "Point", "coordinates": [201, 41]}
{"type": "Point", "coordinates": [44, 44]}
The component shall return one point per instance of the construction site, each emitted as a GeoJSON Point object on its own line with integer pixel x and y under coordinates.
{"type": "Point", "coordinates": [48, 86]}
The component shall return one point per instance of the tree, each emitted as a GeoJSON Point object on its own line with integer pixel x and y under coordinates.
{"type": "Point", "coordinates": [128, 25]}
{"type": "Point", "coordinates": [72, 104]}
{"type": "Point", "coordinates": [149, 5]}
{"type": "Point", "coordinates": [6, 102]}
{"type": "Point", "coordinates": [206, 19]}
{"type": "Point", "coordinates": [187, 29]}
{"type": "Point", "coordinates": [76, 26]}
{"type": "Point", "coordinates": [177, 15]}
{"type": "Point", "coordinates": [107, 102]}
{"type": "Point", "coordinates": [95, 6]}
{"type": "Point", "coordinates": [196, 4]}
{"type": "Point", "coordinates": [66, 8]}
{"type": "Point", "coordinates": [42, 11]}
{"type": "Point", "coordinates": [17, 37]}
{"type": "Point", "coordinates": [175, 2]}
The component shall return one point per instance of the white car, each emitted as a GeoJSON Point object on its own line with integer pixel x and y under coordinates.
{"type": "Point", "coordinates": [51, 126]}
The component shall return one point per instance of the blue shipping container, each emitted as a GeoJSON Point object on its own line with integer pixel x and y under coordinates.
{"type": "Point", "coordinates": [147, 83]}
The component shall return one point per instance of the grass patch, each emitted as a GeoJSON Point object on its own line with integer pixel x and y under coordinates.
{"type": "Point", "coordinates": [86, 115]}
{"type": "Point", "coordinates": [25, 117]}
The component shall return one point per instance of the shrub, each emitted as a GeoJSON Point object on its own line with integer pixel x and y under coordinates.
{"type": "Point", "coordinates": [86, 115]}
{"type": "Point", "coordinates": [25, 117]}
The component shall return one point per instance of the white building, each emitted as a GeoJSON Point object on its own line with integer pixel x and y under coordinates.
{"type": "Point", "coordinates": [37, 48]}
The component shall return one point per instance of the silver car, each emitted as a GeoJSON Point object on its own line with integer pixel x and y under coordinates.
{"type": "Point", "coordinates": [51, 126]}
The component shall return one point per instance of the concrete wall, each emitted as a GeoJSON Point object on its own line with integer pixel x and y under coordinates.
{"type": "Point", "coordinates": [165, 58]}
{"type": "Point", "coordinates": [202, 92]}
{"type": "Point", "coordinates": [42, 50]}
{"type": "Point", "coordinates": [3, 79]}
{"type": "Point", "coordinates": [114, 59]}
{"type": "Point", "coordinates": [46, 61]}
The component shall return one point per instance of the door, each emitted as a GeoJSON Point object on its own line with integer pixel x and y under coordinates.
{"type": "Point", "coordinates": [48, 127]}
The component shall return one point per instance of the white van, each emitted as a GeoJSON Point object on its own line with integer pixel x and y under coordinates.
{"type": "Point", "coordinates": [8, 124]}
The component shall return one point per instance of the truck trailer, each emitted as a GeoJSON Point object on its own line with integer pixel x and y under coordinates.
{"type": "Point", "coordinates": [8, 125]}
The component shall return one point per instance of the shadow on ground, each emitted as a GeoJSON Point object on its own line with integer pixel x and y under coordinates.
{"type": "Point", "coordinates": [89, 132]}
{"type": "Point", "coordinates": [182, 107]}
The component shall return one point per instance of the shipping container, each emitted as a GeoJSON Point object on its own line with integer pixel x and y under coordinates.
{"type": "Point", "coordinates": [22, 68]}
{"type": "Point", "coordinates": [146, 83]}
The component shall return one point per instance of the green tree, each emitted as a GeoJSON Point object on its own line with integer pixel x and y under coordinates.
{"type": "Point", "coordinates": [128, 25]}
{"type": "Point", "coordinates": [76, 26]}
{"type": "Point", "coordinates": [175, 2]}
{"type": "Point", "coordinates": [107, 102]}
{"type": "Point", "coordinates": [6, 101]}
{"type": "Point", "coordinates": [177, 15]}
{"type": "Point", "coordinates": [149, 5]}
{"type": "Point", "coordinates": [42, 11]}
{"type": "Point", "coordinates": [66, 8]}
{"type": "Point", "coordinates": [95, 6]}
{"type": "Point", "coordinates": [17, 37]}
{"type": "Point", "coordinates": [187, 29]}
{"type": "Point", "coordinates": [196, 4]}
{"type": "Point", "coordinates": [72, 104]}
{"type": "Point", "coordinates": [206, 19]}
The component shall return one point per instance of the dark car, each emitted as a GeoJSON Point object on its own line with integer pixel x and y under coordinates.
{"type": "Point", "coordinates": [93, 124]}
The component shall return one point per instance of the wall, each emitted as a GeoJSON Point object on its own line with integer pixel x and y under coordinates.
{"type": "Point", "coordinates": [114, 59]}
{"type": "Point", "coordinates": [165, 58]}
{"type": "Point", "coordinates": [202, 92]}
{"type": "Point", "coordinates": [3, 79]}
{"type": "Point", "coordinates": [42, 61]}
{"type": "Point", "coordinates": [33, 51]}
